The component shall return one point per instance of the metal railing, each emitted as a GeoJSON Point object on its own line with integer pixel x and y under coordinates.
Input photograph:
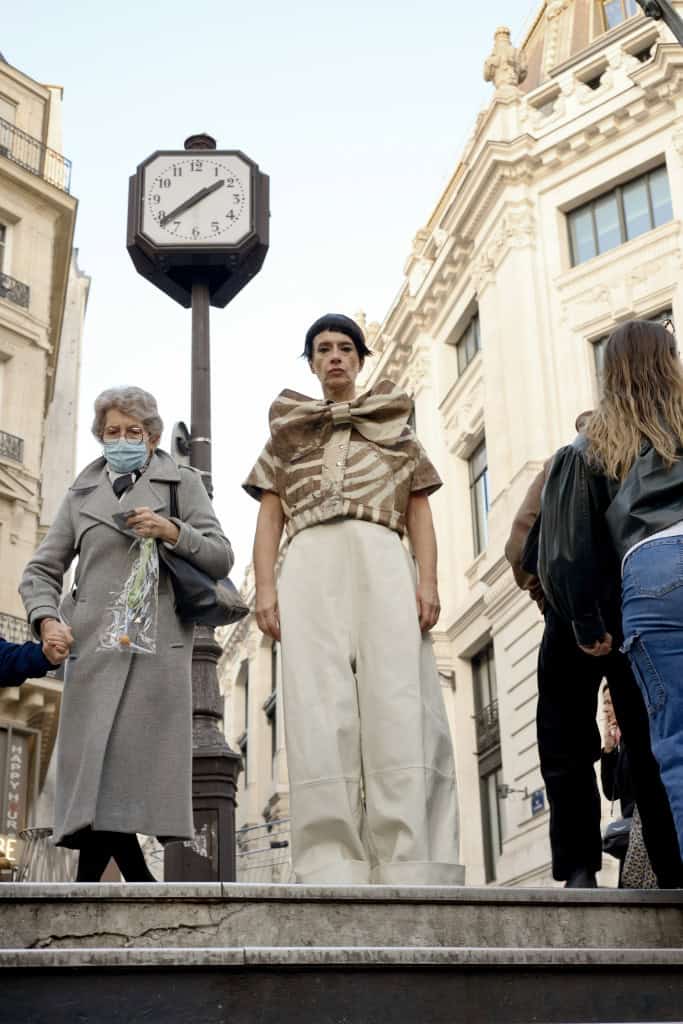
{"type": "Point", "coordinates": [31, 154]}
{"type": "Point", "coordinates": [487, 727]}
{"type": "Point", "coordinates": [14, 629]}
{"type": "Point", "coordinates": [15, 291]}
{"type": "Point", "coordinates": [11, 446]}
{"type": "Point", "coordinates": [263, 852]}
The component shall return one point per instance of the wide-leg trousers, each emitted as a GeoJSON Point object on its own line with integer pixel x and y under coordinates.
{"type": "Point", "coordinates": [371, 771]}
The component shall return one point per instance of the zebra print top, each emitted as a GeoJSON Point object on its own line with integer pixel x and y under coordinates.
{"type": "Point", "coordinates": [358, 459]}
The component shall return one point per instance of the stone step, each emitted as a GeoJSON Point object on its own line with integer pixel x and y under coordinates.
{"type": "Point", "coordinates": [229, 916]}
{"type": "Point", "coordinates": [340, 985]}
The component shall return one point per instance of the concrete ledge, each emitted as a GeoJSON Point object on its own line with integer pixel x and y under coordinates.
{"type": "Point", "coordinates": [326, 956]}
{"type": "Point", "coordinates": [519, 896]}
{"type": "Point", "coordinates": [218, 916]}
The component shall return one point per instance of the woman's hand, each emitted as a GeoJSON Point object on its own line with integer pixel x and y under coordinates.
{"type": "Point", "coordinates": [600, 647]}
{"type": "Point", "coordinates": [428, 606]}
{"type": "Point", "coordinates": [146, 523]}
{"type": "Point", "coordinates": [267, 611]}
{"type": "Point", "coordinates": [57, 640]}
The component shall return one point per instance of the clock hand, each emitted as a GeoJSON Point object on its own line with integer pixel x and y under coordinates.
{"type": "Point", "coordinates": [191, 202]}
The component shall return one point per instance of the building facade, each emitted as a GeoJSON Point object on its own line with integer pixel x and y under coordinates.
{"type": "Point", "coordinates": [562, 219]}
{"type": "Point", "coordinates": [42, 304]}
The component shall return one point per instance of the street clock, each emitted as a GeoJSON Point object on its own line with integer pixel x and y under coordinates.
{"type": "Point", "coordinates": [198, 213]}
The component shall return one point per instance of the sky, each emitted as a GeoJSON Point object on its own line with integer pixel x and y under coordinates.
{"type": "Point", "coordinates": [358, 112]}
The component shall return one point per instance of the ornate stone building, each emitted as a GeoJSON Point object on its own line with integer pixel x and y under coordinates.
{"type": "Point", "coordinates": [562, 218]}
{"type": "Point", "coordinates": [42, 305]}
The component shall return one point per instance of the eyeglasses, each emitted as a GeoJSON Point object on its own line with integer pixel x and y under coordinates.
{"type": "Point", "coordinates": [112, 434]}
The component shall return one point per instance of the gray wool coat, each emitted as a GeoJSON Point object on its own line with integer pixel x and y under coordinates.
{"type": "Point", "coordinates": [124, 747]}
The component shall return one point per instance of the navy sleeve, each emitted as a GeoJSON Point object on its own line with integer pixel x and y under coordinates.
{"type": "Point", "coordinates": [19, 662]}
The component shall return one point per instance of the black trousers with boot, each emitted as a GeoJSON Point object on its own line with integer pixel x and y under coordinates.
{"type": "Point", "coordinates": [98, 847]}
{"type": "Point", "coordinates": [569, 744]}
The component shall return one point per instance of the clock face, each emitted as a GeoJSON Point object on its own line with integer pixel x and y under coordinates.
{"type": "Point", "coordinates": [197, 198]}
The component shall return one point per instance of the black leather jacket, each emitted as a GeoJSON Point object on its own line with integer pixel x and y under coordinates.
{"type": "Point", "coordinates": [589, 522]}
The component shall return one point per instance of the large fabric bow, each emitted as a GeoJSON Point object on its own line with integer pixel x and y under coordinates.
{"type": "Point", "coordinates": [298, 423]}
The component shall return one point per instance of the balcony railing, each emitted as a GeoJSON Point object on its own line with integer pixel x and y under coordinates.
{"type": "Point", "coordinates": [11, 447]}
{"type": "Point", "coordinates": [14, 291]}
{"type": "Point", "coordinates": [14, 629]}
{"type": "Point", "coordinates": [29, 153]}
{"type": "Point", "coordinates": [487, 727]}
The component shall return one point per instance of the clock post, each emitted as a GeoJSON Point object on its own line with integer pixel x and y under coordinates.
{"type": "Point", "coordinates": [198, 230]}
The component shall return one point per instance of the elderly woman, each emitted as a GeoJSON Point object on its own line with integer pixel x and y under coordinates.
{"type": "Point", "coordinates": [124, 752]}
{"type": "Point", "coordinates": [372, 782]}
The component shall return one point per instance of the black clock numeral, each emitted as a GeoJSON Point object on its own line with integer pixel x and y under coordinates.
{"type": "Point", "coordinates": [196, 232]}
{"type": "Point", "coordinates": [196, 165]}
{"type": "Point", "coordinates": [164, 182]}
{"type": "Point", "coordinates": [215, 226]}
{"type": "Point", "coordinates": [177, 224]}
{"type": "Point", "coordinates": [161, 215]}
{"type": "Point", "coordinates": [177, 171]}
{"type": "Point", "coordinates": [156, 198]}
{"type": "Point", "coordinates": [216, 171]}
{"type": "Point", "coordinates": [230, 215]}
{"type": "Point", "coordinates": [229, 182]}
{"type": "Point", "coordinates": [237, 198]}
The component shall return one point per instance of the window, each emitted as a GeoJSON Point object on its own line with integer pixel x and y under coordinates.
{"type": "Point", "coordinates": [8, 113]}
{"type": "Point", "coordinates": [488, 756]}
{"type": "Point", "coordinates": [616, 11]}
{"type": "Point", "coordinates": [468, 344]}
{"type": "Point", "coordinates": [620, 215]}
{"type": "Point", "coordinates": [243, 741]}
{"type": "Point", "coordinates": [664, 317]}
{"type": "Point", "coordinates": [479, 497]}
{"type": "Point", "coordinates": [485, 700]}
{"type": "Point", "coordinates": [492, 819]}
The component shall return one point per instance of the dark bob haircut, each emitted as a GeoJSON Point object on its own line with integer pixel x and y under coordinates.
{"type": "Point", "coordinates": [343, 325]}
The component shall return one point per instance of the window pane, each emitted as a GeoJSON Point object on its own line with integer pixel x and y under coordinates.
{"type": "Point", "coordinates": [614, 12]}
{"type": "Point", "coordinates": [477, 463]}
{"type": "Point", "coordinates": [661, 197]}
{"type": "Point", "coordinates": [480, 511]}
{"type": "Point", "coordinates": [583, 242]}
{"type": "Point", "coordinates": [636, 208]}
{"type": "Point", "coordinates": [607, 223]}
{"type": "Point", "coordinates": [632, 8]}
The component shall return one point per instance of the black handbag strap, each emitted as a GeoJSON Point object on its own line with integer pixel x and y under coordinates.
{"type": "Point", "coordinates": [174, 499]}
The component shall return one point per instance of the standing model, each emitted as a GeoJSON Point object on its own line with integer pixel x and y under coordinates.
{"type": "Point", "coordinates": [372, 781]}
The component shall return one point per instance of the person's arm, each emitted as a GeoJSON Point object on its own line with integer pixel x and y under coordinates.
{"type": "Point", "coordinates": [420, 527]}
{"type": "Point", "coordinates": [19, 662]}
{"type": "Point", "coordinates": [608, 772]}
{"type": "Point", "coordinates": [199, 537]}
{"type": "Point", "coordinates": [269, 525]}
{"type": "Point", "coordinates": [42, 579]}
{"type": "Point", "coordinates": [527, 515]}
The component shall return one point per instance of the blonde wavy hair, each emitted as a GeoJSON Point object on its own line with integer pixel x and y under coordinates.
{"type": "Point", "coordinates": [642, 399]}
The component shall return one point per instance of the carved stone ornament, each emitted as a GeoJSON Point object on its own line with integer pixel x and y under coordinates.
{"type": "Point", "coordinates": [506, 67]}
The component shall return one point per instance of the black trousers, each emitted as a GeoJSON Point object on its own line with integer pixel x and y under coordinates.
{"type": "Point", "coordinates": [569, 744]}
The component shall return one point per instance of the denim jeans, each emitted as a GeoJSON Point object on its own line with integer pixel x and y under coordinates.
{"type": "Point", "coordinates": [652, 604]}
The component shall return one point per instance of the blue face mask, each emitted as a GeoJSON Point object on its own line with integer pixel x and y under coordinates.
{"type": "Point", "coordinates": [125, 456]}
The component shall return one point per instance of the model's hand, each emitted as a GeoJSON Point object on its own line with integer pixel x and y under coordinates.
{"type": "Point", "coordinates": [600, 647]}
{"type": "Point", "coordinates": [267, 611]}
{"type": "Point", "coordinates": [55, 652]}
{"type": "Point", "coordinates": [536, 594]}
{"type": "Point", "coordinates": [145, 523]}
{"type": "Point", "coordinates": [428, 606]}
{"type": "Point", "coordinates": [57, 637]}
